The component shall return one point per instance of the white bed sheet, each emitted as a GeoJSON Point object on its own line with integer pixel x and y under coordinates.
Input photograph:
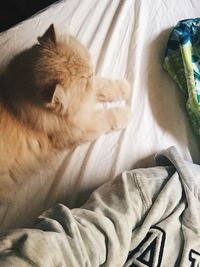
{"type": "Point", "coordinates": [126, 38]}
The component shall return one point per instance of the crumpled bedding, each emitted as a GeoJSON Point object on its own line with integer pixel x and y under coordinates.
{"type": "Point", "coordinates": [145, 217]}
{"type": "Point", "coordinates": [127, 39]}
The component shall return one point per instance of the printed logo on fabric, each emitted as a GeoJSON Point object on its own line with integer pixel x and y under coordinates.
{"type": "Point", "coordinates": [194, 257]}
{"type": "Point", "coordinates": [149, 252]}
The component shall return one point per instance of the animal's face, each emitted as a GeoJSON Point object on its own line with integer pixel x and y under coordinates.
{"type": "Point", "coordinates": [62, 71]}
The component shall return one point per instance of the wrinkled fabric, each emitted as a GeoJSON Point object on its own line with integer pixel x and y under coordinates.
{"type": "Point", "coordinates": [145, 217]}
{"type": "Point", "coordinates": [126, 39]}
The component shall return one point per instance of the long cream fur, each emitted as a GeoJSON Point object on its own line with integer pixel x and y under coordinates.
{"type": "Point", "coordinates": [48, 96]}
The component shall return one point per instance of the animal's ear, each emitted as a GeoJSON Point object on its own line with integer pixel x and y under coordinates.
{"type": "Point", "coordinates": [49, 35]}
{"type": "Point", "coordinates": [55, 99]}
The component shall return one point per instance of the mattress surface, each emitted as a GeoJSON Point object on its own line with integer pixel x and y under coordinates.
{"type": "Point", "coordinates": [127, 39]}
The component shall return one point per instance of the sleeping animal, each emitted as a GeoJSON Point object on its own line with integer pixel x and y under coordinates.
{"type": "Point", "coordinates": [47, 104]}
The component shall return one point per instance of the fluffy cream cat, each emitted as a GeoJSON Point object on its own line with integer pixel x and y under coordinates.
{"type": "Point", "coordinates": [48, 100]}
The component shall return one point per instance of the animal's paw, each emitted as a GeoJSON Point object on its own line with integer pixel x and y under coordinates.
{"type": "Point", "coordinates": [105, 96]}
{"type": "Point", "coordinates": [124, 89]}
{"type": "Point", "coordinates": [120, 117]}
{"type": "Point", "coordinates": [111, 90]}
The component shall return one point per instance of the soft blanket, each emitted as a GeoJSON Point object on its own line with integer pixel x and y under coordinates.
{"type": "Point", "coordinates": [145, 217]}
{"type": "Point", "coordinates": [182, 61]}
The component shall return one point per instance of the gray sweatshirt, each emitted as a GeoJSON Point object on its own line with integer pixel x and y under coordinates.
{"type": "Point", "coordinates": [144, 218]}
